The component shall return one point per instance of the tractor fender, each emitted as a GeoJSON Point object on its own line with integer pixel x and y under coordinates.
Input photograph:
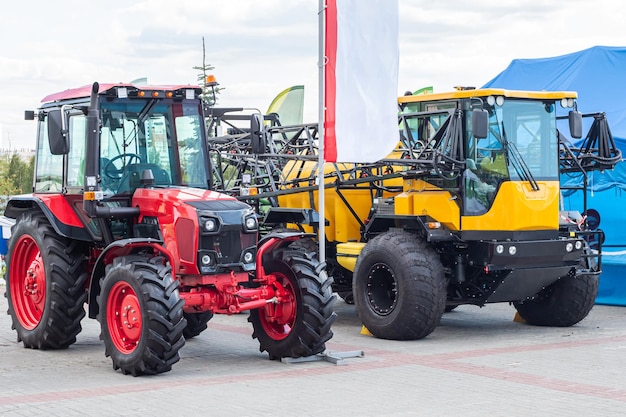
{"type": "Point", "coordinates": [417, 224]}
{"type": "Point", "coordinates": [114, 250]}
{"type": "Point", "coordinates": [285, 238]}
{"type": "Point", "coordinates": [274, 241]}
{"type": "Point", "coordinates": [57, 210]}
{"type": "Point", "coordinates": [280, 215]}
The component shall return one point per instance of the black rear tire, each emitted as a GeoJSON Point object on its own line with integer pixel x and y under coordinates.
{"type": "Point", "coordinates": [196, 323]}
{"type": "Point", "coordinates": [45, 284]}
{"type": "Point", "coordinates": [304, 326]}
{"type": "Point", "coordinates": [141, 315]}
{"type": "Point", "coordinates": [562, 304]}
{"type": "Point", "coordinates": [347, 296]}
{"type": "Point", "coordinates": [399, 287]}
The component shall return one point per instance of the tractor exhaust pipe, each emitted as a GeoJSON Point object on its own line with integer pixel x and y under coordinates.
{"type": "Point", "coordinates": [92, 192]}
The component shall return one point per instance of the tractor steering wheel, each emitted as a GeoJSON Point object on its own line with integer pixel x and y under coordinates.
{"type": "Point", "coordinates": [115, 173]}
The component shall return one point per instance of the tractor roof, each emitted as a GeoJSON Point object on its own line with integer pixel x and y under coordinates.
{"type": "Point", "coordinates": [85, 91]}
{"type": "Point", "coordinates": [484, 92]}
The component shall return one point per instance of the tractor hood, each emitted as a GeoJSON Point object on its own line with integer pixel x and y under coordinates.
{"type": "Point", "coordinates": [183, 195]}
{"type": "Point", "coordinates": [185, 202]}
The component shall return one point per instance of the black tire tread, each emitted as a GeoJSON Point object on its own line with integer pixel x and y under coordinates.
{"type": "Point", "coordinates": [65, 282]}
{"type": "Point", "coordinates": [158, 294]}
{"type": "Point", "coordinates": [196, 323]}
{"type": "Point", "coordinates": [422, 294]}
{"type": "Point", "coordinates": [315, 314]}
{"type": "Point", "coordinates": [563, 304]}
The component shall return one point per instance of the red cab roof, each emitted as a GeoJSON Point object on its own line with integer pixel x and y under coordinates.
{"type": "Point", "coordinates": [85, 91]}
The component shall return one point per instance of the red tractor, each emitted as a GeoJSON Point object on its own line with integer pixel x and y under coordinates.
{"type": "Point", "coordinates": [123, 218]}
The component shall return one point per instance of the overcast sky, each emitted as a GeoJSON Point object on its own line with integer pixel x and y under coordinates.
{"type": "Point", "coordinates": [260, 47]}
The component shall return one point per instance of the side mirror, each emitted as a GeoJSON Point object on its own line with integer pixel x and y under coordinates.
{"type": "Point", "coordinates": [575, 124]}
{"type": "Point", "coordinates": [480, 123]}
{"type": "Point", "coordinates": [57, 137]}
{"type": "Point", "coordinates": [257, 134]}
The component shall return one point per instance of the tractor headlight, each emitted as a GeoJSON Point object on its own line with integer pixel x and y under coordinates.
{"type": "Point", "coordinates": [206, 260]}
{"type": "Point", "coordinates": [248, 257]}
{"type": "Point", "coordinates": [211, 225]}
{"type": "Point", "coordinates": [569, 247]}
{"type": "Point", "coordinates": [578, 245]}
{"type": "Point", "coordinates": [251, 224]}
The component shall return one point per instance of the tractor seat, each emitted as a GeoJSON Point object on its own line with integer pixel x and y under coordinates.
{"type": "Point", "coordinates": [131, 180]}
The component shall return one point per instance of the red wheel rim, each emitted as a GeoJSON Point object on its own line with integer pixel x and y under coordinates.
{"type": "Point", "coordinates": [27, 278]}
{"type": "Point", "coordinates": [124, 317]}
{"type": "Point", "coordinates": [278, 319]}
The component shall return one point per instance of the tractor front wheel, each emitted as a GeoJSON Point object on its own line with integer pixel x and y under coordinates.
{"type": "Point", "coordinates": [45, 284]}
{"type": "Point", "coordinates": [399, 287]}
{"type": "Point", "coordinates": [299, 324]}
{"type": "Point", "coordinates": [141, 315]}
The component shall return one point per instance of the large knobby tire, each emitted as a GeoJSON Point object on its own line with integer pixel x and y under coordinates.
{"type": "Point", "coordinates": [196, 323]}
{"type": "Point", "coordinates": [301, 323]}
{"type": "Point", "coordinates": [141, 315]}
{"type": "Point", "coordinates": [310, 245]}
{"type": "Point", "coordinates": [333, 269]}
{"type": "Point", "coordinates": [45, 284]}
{"type": "Point", "coordinates": [399, 287]}
{"type": "Point", "coordinates": [562, 304]}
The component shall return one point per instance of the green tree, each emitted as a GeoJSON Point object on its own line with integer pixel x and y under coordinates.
{"type": "Point", "coordinates": [209, 92]}
{"type": "Point", "coordinates": [20, 173]}
{"type": "Point", "coordinates": [7, 189]}
{"type": "Point", "coordinates": [16, 177]}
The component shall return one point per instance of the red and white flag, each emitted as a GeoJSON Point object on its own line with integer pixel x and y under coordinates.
{"type": "Point", "coordinates": [360, 80]}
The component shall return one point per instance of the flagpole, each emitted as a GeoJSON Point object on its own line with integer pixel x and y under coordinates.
{"type": "Point", "coordinates": [320, 132]}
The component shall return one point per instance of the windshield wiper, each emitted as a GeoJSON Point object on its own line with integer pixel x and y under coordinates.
{"type": "Point", "coordinates": [517, 160]}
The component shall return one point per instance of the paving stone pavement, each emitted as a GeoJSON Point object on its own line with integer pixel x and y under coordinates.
{"type": "Point", "coordinates": [478, 362]}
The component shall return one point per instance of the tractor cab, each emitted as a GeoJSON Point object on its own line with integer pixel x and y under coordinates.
{"type": "Point", "coordinates": [143, 137]}
{"type": "Point", "coordinates": [156, 130]}
{"type": "Point", "coordinates": [517, 144]}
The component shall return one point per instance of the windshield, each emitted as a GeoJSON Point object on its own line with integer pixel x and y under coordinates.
{"type": "Point", "coordinates": [521, 146]}
{"type": "Point", "coordinates": [163, 135]}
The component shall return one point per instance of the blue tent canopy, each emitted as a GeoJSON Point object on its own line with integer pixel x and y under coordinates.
{"type": "Point", "coordinates": [597, 75]}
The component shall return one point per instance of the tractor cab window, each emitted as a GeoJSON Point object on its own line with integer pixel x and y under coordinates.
{"type": "Point", "coordinates": [76, 156]}
{"type": "Point", "coordinates": [521, 146]}
{"type": "Point", "coordinates": [190, 151]}
{"type": "Point", "coordinates": [421, 128]}
{"type": "Point", "coordinates": [48, 168]}
{"type": "Point", "coordinates": [140, 135]}
{"type": "Point", "coordinates": [521, 142]}
{"type": "Point", "coordinates": [421, 122]}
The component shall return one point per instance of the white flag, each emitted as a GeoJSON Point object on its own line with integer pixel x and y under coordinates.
{"type": "Point", "coordinates": [361, 80]}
